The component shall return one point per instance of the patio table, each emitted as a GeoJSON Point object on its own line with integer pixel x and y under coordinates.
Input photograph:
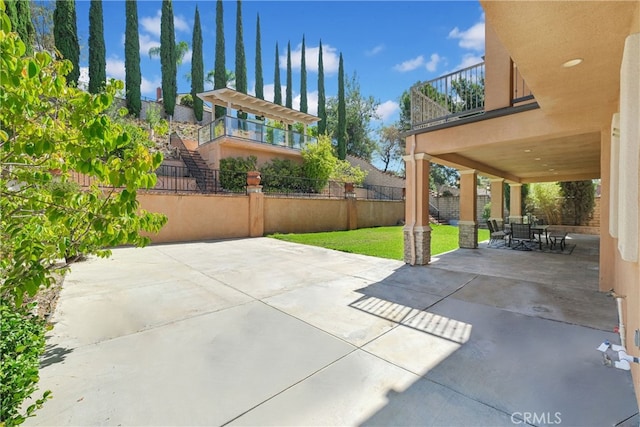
{"type": "Point", "coordinates": [539, 229]}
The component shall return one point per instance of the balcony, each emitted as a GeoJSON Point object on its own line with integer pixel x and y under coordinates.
{"type": "Point", "coordinates": [459, 95]}
{"type": "Point", "coordinates": [252, 130]}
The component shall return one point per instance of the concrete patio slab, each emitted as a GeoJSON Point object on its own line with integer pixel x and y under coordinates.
{"type": "Point", "coordinates": [264, 332]}
{"type": "Point", "coordinates": [584, 307]}
{"type": "Point", "coordinates": [205, 370]}
{"type": "Point", "coordinates": [361, 389]}
{"type": "Point", "coordinates": [518, 363]}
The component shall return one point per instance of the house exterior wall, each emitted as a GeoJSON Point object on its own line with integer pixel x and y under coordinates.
{"type": "Point", "coordinates": [212, 152]}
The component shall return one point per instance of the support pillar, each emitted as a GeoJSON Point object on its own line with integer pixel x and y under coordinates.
{"type": "Point", "coordinates": [515, 205]}
{"type": "Point", "coordinates": [256, 210]}
{"type": "Point", "coordinates": [607, 242]}
{"type": "Point", "coordinates": [417, 232]}
{"type": "Point", "coordinates": [468, 224]}
{"type": "Point", "coordinates": [497, 201]}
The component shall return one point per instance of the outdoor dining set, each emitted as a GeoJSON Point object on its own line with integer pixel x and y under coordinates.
{"type": "Point", "coordinates": [526, 236]}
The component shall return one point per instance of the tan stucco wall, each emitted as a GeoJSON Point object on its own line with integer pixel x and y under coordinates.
{"type": "Point", "coordinates": [304, 215]}
{"type": "Point", "coordinates": [373, 213]}
{"type": "Point", "coordinates": [497, 81]}
{"type": "Point", "coordinates": [198, 217]}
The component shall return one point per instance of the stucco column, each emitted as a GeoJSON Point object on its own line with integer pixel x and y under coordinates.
{"type": "Point", "coordinates": [352, 213]}
{"type": "Point", "coordinates": [497, 200]}
{"type": "Point", "coordinates": [607, 243]}
{"type": "Point", "coordinates": [417, 232]}
{"type": "Point", "coordinates": [515, 204]}
{"type": "Point", "coordinates": [256, 210]}
{"type": "Point", "coordinates": [468, 224]}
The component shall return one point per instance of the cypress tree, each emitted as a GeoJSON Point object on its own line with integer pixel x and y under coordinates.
{"type": "Point", "coordinates": [220, 71]}
{"type": "Point", "coordinates": [65, 34]}
{"type": "Point", "coordinates": [197, 67]}
{"type": "Point", "coordinates": [168, 58]}
{"type": "Point", "coordinates": [303, 80]}
{"type": "Point", "coordinates": [97, 50]}
{"type": "Point", "coordinates": [133, 78]}
{"type": "Point", "coordinates": [259, 79]}
{"type": "Point", "coordinates": [342, 114]}
{"type": "Point", "coordinates": [277, 88]}
{"type": "Point", "coordinates": [19, 13]}
{"type": "Point", "coordinates": [289, 99]}
{"type": "Point", "coordinates": [241, 62]}
{"type": "Point", "coordinates": [322, 101]}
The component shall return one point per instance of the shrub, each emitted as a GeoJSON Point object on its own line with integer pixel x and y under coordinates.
{"type": "Point", "coordinates": [233, 172]}
{"type": "Point", "coordinates": [546, 198]}
{"type": "Point", "coordinates": [319, 162]}
{"type": "Point", "coordinates": [345, 172]}
{"type": "Point", "coordinates": [579, 200]}
{"type": "Point", "coordinates": [486, 211]}
{"type": "Point", "coordinates": [187, 100]}
{"type": "Point", "coordinates": [283, 175]}
{"type": "Point", "coordinates": [21, 344]}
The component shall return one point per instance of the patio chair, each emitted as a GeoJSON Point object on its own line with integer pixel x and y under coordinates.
{"type": "Point", "coordinates": [521, 233]}
{"type": "Point", "coordinates": [507, 232]}
{"type": "Point", "coordinates": [495, 235]}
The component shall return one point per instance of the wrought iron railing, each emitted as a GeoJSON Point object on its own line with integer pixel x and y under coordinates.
{"type": "Point", "coordinates": [252, 130]}
{"type": "Point", "coordinates": [519, 90]}
{"type": "Point", "coordinates": [382, 192]}
{"type": "Point", "coordinates": [450, 97]}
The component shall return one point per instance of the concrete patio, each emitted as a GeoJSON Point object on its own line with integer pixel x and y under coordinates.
{"type": "Point", "coordinates": [264, 332]}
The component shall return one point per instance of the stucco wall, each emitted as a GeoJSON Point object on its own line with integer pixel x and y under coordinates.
{"type": "Point", "coordinates": [375, 213]}
{"type": "Point", "coordinates": [198, 217]}
{"type": "Point", "coordinates": [304, 215]}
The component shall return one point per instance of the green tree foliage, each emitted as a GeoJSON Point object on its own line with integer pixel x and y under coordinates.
{"type": "Point", "coordinates": [233, 172]}
{"type": "Point", "coordinates": [391, 147]}
{"type": "Point", "coordinates": [197, 67]}
{"type": "Point", "coordinates": [579, 200]}
{"type": "Point", "coordinates": [133, 77]}
{"type": "Point", "coordinates": [303, 80]}
{"type": "Point", "coordinates": [441, 175]}
{"type": "Point", "coordinates": [359, 113]}
{"type": "Point", "coordinates": [277, 87]}
{"type": "Point", "coordinates": [319, 162]}
{"type": "Point", "coordinates": [65, 34]}
{"type": "Point", "coordinates": [470, 94]}
{"type": "Point", "coordinates": [168, 58]}
{"type": "Point", "coordinates": [21, 344]}
{"type": "Point", "coordinates": [182, 47]}
{"type": "Point", "coordinates": [289, 91]}
{"type": "Point", "coordinates": [241, 62]}
{"type": "Point", "coordinates": [19, 13]}
{"type": "Point", "coordinates": [258, 67]}
{"type": "Point", "coordinates": [322, 101]}
{"type": "Point", "coordinates": [545, 197]}
{"type": "Point", "coordinates": [220, 68]}
{"type": "Point", "coordinates": [52, 134]}
{"type": "Point", "coordinates": [42, 20]}
{"type": "Point", "coordinates": [342, 114]}
{"type": "Point", "coordinates": [97, 49]}
{"type": "Point", "coordinates": [404, 122]}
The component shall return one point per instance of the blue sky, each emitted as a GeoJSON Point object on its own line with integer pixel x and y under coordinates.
{"type": "Point", "coordinates": [390, 45]}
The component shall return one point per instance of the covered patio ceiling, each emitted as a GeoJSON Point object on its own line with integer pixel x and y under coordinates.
{"type": "Point", "coordinates": [230, 98]}
{"type": "Point", "coordinates": [560, 140]}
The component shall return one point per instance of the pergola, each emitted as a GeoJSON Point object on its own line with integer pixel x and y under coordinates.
{"type": "Point", "coordinates": [231, 99]}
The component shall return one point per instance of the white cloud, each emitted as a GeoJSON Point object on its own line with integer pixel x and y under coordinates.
{"type": "Point", "coordinates": [187, 57]}
{"type": "Point", "coordinates": [146, 43]}
{"type": "Point", "coordinates": [116, 70]}
{"type": "Point", "coordinates": [312, 102]}
{"type": "Point", "coordinates": [376, 50]}
{"type": "Point", "coordinates": [330, 58]}
{"type": "Point", "coordinates": [151, 24]}
{"type": "Point", "coordinates": [468, 60]}
{"type": "Point", "coordinates": [433, 62]}
{"type": "Point", "coordinates": [268, 91]}
{"type": "Point", "coordinates": [387, 110]}
{"type": "Point", "coordinates": [471, 38]}
{"type": "Point", "coordinates": [410, 64]}
{"type": "Point", "coordinates": [83, 80]}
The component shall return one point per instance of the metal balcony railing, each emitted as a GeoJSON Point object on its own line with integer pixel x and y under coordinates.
{"type": "Point", "coordinates": [252, 130]}
{"type": "Point", "coordinates": [447, 98]}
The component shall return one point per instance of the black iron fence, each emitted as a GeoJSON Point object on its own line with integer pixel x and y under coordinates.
{"type": "Point", "coordinates": [179, 179]}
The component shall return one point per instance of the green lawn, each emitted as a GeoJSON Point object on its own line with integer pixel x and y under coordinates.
{"type": "Point", "coordinates": [383, 242]}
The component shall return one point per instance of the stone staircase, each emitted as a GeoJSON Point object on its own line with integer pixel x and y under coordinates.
{"type": "Point", "coordinates": [198, 168]}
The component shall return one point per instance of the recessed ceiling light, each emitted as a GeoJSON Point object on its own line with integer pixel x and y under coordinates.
{"type": "Point", "coordinates": [544, 164]}
{"type": "Point", "coordinates": [527, 151]}
{"type": "Point", "coordinates": [537, 158]}
{"type": "Point", "coordinates": [572, 63]}
{"type": "Point", "coordinates": [551, 170]}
